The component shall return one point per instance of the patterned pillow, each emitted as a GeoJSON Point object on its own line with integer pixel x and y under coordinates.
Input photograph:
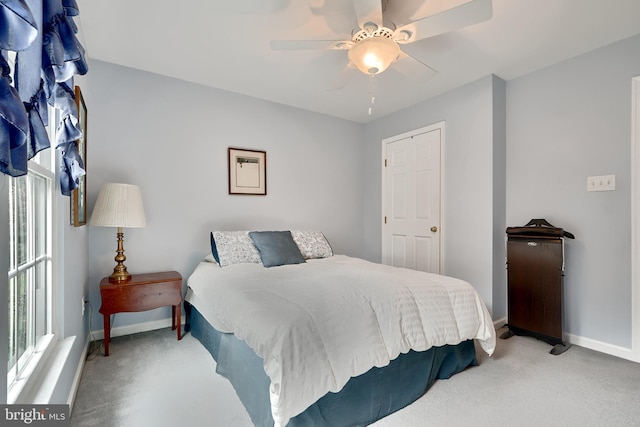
{"type": "Point", "coordinates": [234, 247]}
{"type": "Point", "coordinates": [312, 244]}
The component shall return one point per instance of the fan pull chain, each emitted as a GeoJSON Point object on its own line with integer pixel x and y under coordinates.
{"type": "Point", "coordinates": [372, 94]}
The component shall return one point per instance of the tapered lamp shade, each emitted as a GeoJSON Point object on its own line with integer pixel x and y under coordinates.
{"type": "Point", "coordinates": [119, 205]}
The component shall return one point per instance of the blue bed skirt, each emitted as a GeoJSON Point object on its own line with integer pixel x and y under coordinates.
{"type": "Point", "coordinates": [363, 400]}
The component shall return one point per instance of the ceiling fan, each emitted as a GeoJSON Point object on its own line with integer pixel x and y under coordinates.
{"type": "Point", "coordinates": [375, 44]}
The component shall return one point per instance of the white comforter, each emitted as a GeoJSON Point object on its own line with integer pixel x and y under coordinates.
{"type": "Point", "coordinates": [317, 324]}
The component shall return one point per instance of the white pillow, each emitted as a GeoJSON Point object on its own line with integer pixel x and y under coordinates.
{"type": "Point", "coordinates": [235, 247]}
{"type": "Point", "coordinates": [312, 244]}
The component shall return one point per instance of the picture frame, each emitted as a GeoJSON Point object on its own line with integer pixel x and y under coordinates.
{"type": "Point", "coordinates": [79, 195]}
{"type": "Point", "coordinates": [247, 171]}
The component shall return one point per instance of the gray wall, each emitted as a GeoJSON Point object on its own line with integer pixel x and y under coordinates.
{"type": "Point", "coordinates": [470, 154]}
{"type": "Point", "coordinates": [171, 138]}
{"type": "Point", "coordinates": [567, 122]}
{"type": "Point", "coordinates": [499, 306]}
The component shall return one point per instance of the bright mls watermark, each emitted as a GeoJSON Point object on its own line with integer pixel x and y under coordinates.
{"type": "Point", "coordinates": [35, 415]}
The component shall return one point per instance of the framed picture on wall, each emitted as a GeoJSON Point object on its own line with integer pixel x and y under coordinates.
{"type": "Point", "coordinates": [247, 171]}
{"type": "Point", "coordinates": [79, 195]}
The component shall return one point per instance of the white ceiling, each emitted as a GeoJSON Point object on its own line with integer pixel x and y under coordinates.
{"type": "Point", "coordinates": [226, 45]}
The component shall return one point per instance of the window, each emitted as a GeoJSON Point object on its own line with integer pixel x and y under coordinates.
{"type": "Point", "coordinates": [30, 270]}
{"type": "Point", "coordinates": [35, 234]}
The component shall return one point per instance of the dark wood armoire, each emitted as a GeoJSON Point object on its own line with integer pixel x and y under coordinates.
{"type": "Point", "coordinates": [535, 271]}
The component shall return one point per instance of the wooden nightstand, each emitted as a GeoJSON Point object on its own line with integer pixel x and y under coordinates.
{"type": "Point", "coordinates": [143, 292]}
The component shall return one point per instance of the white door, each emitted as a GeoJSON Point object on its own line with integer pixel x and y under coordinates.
{"type": "Point", "coordinates": [411, 200]}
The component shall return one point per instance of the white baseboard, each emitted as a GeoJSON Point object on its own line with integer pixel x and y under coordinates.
{"type": "Point", "coordinates": [76, 378]}
{"type": "Point", "coordinates": [602, 347]}
{"type": "Point", "coordinates": [613, 350]}
{"type": "Point", "coordinates": [134, 329]}
{"type": "Point", "coordinates": [497, 324]}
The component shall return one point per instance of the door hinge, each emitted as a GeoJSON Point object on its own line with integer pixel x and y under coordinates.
{"type": "Point", "coordinates": [385, 163]}
{"type": "Point", "coordinates": [385, 219]}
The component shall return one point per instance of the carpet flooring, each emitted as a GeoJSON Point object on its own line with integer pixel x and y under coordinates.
{"type": "Point", "coordinates": [151, 379]}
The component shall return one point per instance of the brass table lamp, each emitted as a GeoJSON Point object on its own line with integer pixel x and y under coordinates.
{"type": "Point", "coordinates": [119, 205]}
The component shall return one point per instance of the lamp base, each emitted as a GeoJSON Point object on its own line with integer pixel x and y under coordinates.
{"type": "Point", "coordinates": [120, 273]}
{"type": "Point", "coordinates": [120, 277]}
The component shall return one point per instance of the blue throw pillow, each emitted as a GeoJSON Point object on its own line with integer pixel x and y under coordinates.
{"type": "Point", "coordinates": [276, 248]}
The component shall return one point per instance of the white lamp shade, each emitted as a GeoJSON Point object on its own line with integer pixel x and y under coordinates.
{"type": "Point", "coordinates": [119, 205]}
{"type": "Point", "coordinates": [374, 54]}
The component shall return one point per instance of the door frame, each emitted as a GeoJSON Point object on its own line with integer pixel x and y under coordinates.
{"type": "Point", "coordinates": [635, 219]}
{"type": "Point", "coordinates": [438, 125]}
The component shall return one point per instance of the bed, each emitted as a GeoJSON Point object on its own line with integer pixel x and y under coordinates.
{"type": "Point", "coordinates": [310, 338]}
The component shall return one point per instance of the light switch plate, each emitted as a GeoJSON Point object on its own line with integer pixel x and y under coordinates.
{"type": "Point", "coordinates": [601, 183]}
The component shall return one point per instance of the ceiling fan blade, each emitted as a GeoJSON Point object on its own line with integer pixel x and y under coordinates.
{"type": "Point", "coordinates": [471, 12]}
{"type": "Point", "coordinates": [368, 11]}
{"type": "Point", "coordinates": [412, 67]}
{"type": "Point", "coordinates": [310, 44]}
{"type": "Point", "coordinates": [344, 77]}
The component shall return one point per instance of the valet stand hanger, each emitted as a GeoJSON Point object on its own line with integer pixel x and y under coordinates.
{"type": "Point", "coordinates": [541, 222]}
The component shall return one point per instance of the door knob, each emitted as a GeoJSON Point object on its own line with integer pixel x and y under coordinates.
{"type": "Point", "coordinates": [434, 229]}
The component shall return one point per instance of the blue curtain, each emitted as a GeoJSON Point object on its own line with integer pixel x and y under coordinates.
{"type": "Point", "coordinates": [48, 55]}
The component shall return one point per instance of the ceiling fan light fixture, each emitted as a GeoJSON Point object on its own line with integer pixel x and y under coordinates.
{"type": "Point", "coordinates": [373, 55]}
